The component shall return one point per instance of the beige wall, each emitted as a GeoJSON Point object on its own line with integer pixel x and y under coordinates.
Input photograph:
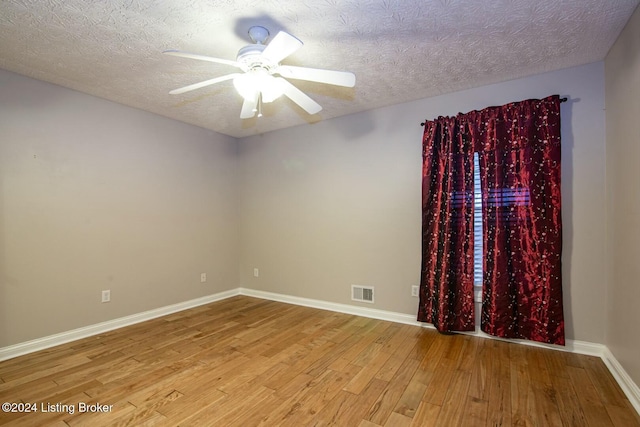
{"type": "Point", "coordinates": [622, 71]}
{"type": "Point", "coordinates": [99, 196]}
{"type": "Point", "coordinates": [338, 202]}
{"type": "Point", "coordinates": [95, 195]}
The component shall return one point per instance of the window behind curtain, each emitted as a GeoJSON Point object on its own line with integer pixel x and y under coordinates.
{"type": "Point", "coordinates": [477, 229]}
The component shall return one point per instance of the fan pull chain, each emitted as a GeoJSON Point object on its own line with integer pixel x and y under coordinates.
{"type": "Point", "coordinates": [260, 105]}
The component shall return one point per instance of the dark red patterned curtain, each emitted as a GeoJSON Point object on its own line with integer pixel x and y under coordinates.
{"type": "Point", "coordinates": [518, 146]}
{"type": "Point", "coordinates": [446, 289]}
{"type": "Point", "coordinates": [519, 156]}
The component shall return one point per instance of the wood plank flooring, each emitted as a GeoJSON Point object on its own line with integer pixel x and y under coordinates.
{"type": "Point", "coordinates": [251, 362]}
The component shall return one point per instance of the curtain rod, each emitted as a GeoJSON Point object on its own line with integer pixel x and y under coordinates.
{"type": "Point", "coordinates": [561, 100]}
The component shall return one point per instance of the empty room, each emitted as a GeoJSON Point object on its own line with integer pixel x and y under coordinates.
{"type": "Point", "coordinates": [295, 213]}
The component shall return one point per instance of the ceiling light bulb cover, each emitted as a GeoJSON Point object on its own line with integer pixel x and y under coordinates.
{"type": "Point", "coordinates": [258, 81]}
{"type": "Point", "coordinates": [271, 89]}
{"type": "Point", "coordinates": [245, 85]}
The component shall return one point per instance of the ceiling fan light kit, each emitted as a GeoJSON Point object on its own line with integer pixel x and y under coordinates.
{"type": "Point", "coordinates": [258, 81]}
{"type": "Point", "coordinates": [260, 63]}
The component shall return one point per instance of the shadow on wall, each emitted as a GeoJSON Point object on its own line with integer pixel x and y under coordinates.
{"type": "Point", "coordinates": [355, 126]}
{"type": "Point", "coordinates": [566, 112]}
{"type": "Point", "coordinates": [4, 280]}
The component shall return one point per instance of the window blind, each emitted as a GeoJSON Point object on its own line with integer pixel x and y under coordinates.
{"type": "Point", "coordinates": [477, 223]}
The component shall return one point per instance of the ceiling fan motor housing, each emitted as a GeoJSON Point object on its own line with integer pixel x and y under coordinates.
{"type": "Point", "coordinates": [250, 57]}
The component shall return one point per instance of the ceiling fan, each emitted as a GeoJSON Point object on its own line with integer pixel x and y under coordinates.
{"type": "Point", "coordinates": [263, 77]}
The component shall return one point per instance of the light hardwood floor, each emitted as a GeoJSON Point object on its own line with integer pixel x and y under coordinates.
{"type": "Point", "coordinates": [249, 362]}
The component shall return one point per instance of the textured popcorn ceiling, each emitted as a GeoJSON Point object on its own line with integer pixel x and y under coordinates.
{"type": "Point", "coordinates": [400, 50]}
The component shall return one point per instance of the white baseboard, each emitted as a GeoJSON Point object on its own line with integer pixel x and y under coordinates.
{"type": "Point", "coordinates": [371, 313]}
{"type": "Point", "coordinates": [571, 346]}
{"type": "Point", "coordinates": [627, 385]}
{"type": "Point", "coordinates": [53, 340]}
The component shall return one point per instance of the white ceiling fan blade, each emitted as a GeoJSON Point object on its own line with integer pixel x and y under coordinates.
{"type": "Point", "coordinates": [282, 45]}
{"type": "Point", "coordinates": [249, 107]}
{"type": "Point", "coordinates": [298, 96]}
{"type": "Point", "coordinates": [339, 78]}
{"type": "Point", "coordinates": [181, 54]}
{"type": "Point", "coordinates": [204, 83]}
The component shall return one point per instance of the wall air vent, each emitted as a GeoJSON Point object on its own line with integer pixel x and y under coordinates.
{"type": "Point", "coordinates": [362, 293]}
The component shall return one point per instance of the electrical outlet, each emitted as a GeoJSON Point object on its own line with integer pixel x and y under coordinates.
{"type": "Point", "coordinates": [106, 296]}
{"type": "Point", "coordinates": [203, 277]}
{"type": "Point", "coordinates": [414, 291]}
{"type": "Point", "coordinates": [256, 272]}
